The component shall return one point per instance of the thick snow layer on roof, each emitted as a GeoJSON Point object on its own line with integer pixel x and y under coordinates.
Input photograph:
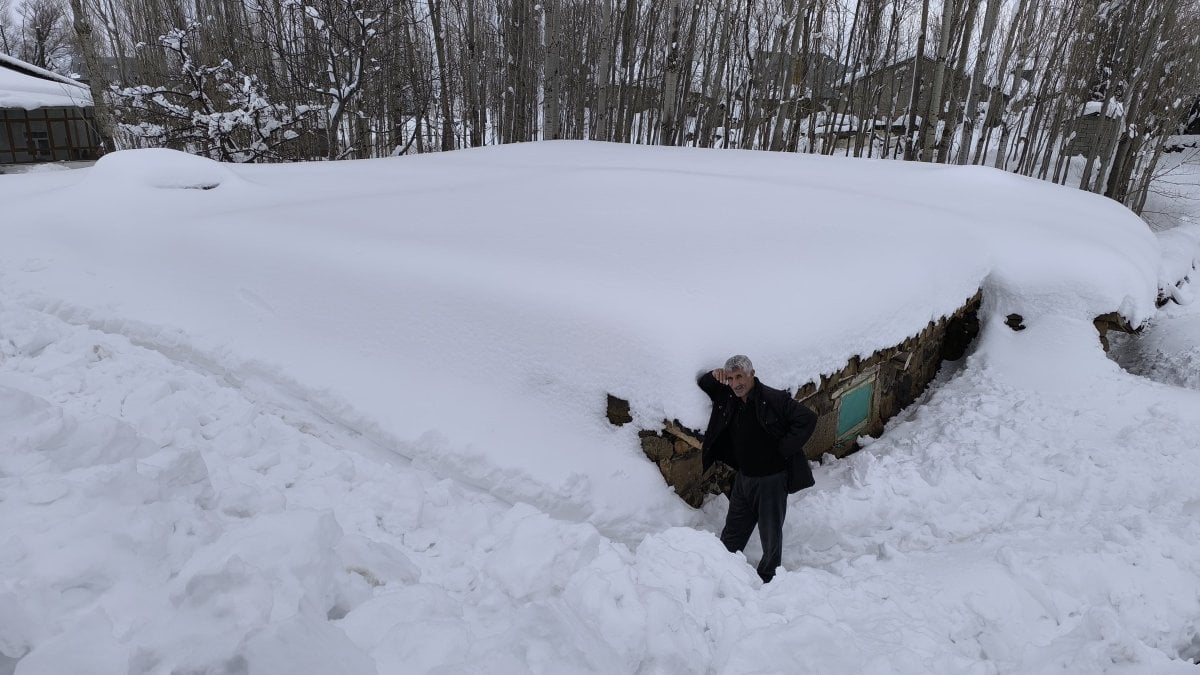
{"type": "Point", "coordinates": [210, 376]}
{"type": "Point", "coordinates": [21, 90]}
{"type": "Point", "coordinates": [472, 309]}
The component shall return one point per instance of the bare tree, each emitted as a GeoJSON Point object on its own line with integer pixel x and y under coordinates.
{"type": "Point", "coordinates": [359, 78]}
{"type": "Point", "coordinates": [670, 90]}
{"type": "Point", "coordinates": [552, 79]}
{"type": "Point", "coordinates": [913, 128]}
{"type": "Point", "coordinates": [44, 37]}
{"type": "Point", "coordinates": [214, 110]}
{"type": "Point", "coordinates": [978, 80]}
{"type": "Point", "coordinates": [6, 27]}
{"type": "Point", "coordinates": [446, 93]}
{"type": "Point", "coordinates": [97, 82]}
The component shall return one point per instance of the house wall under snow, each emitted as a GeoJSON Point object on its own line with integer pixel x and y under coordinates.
{"type": "Point", "coordinates": [852, 402]}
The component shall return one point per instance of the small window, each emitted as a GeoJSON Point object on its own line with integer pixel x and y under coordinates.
{"type": "Point", "coordinates": [39, 141]}
{"type": "Point", "coordinates": [854, 409]}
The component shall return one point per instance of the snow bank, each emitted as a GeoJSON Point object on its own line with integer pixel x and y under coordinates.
{"type": "Point", "coordinates": [157, 168]}
{"type": "Point", "coordinates": [1180, 255]}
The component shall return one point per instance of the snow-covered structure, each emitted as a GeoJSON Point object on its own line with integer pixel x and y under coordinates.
{"type": "Point", "coordinates": [345, 417]}
{"type": "Point", "coordinates": [856, 400]}
{"type": "Point", "coordinates": [43, 116]}
{"type": "Point", "coordinates": [1095, 126]}
{"type": "Point", "coordinates": [853, 268]}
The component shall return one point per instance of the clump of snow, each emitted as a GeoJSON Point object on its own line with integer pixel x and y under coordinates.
{"type": "Point", "coordinates": [1115, 108]}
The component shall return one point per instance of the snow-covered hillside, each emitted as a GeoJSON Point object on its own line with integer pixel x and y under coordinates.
{"type": "Point", "coordinates": [348, 418]}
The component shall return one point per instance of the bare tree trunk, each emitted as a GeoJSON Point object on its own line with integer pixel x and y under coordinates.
{"type": "Point", "coordinates": [913, 131]}
{"type": "Point", "coordinates": [671, 81]}
{"type": "Point", "coordinates": [1051, 140]}
{"type": "Point", "coordinates": [930, 129]}
{"type": "Point", "coordinates": [954, 100]}
{"type": "Point", "coordinates": [1148, 68]}
{"type": "Point", "coordinates": [684, 136]}
{"type": "Point", "coordinates": [814, 78]}
{"type": "Point", "coordinates": [1085, 181]}
{"type": "Point", "coordinates": [854, 63]}
{"type": "Point", "coordinates": [551, 77]}
{"type": "Point", "coordinates": [439, 42]}
{"type": "Point", "coordinates": [787, 89]}
{"type": "Point", "coordinates": [646, 125]}
{"type": "Point", "coordinates": [602, 113]}
{"type": "Point", "coordinates": [978, 78]}
{"type": "Point", "coordinates": [1139, 195]}
{"type": "Point", "coordinates": [996, 101]}
{"type": "Point", "coordinates": [625, 75]}
{"type": "Point", "coordinates": [715, 88]}
{"type": "Point", "coordinates": [96, 79]}
{"type": "Point", "coordinates": [476, 114]}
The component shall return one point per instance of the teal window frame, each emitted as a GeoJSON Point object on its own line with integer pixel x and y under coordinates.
{"type": "Point", "coordinates": [855, 405]}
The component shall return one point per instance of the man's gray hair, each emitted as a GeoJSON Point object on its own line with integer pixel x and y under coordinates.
{"type": "Point", "coordinates": [739, 362]}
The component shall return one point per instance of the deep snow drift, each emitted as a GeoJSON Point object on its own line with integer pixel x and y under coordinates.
{"type": "Point", "coordinates": [349, 418]}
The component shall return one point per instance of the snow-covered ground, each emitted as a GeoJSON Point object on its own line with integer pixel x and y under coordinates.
{"type": "Point", "coordinates": [349, 418]}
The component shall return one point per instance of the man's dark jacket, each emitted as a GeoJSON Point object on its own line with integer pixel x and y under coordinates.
{"type": "Point", "coordinates": [783, 417]}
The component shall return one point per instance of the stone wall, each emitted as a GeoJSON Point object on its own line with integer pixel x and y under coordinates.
{"type": "Point", "coordinates": [855, 401]}
{"type": "Point", "coordinates": [1106, 323]}
{"type": "Point", "coordinates": [874, 389]}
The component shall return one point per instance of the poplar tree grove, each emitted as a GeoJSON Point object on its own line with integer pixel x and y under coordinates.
{"type": "Point", "coordinates": [1080, 92]}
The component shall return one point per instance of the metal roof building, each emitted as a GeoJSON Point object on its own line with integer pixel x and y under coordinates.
{"type": "Point", "coordinates": [44, 116]}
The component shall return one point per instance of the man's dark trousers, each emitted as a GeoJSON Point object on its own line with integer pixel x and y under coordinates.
{"type": "Point", "coordinates": [762, 501]}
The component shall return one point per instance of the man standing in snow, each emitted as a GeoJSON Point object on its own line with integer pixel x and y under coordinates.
{"type": "Point", "coordinates": [760, 432]}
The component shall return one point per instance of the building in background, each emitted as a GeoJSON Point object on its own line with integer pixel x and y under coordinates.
{"type": "Point", "coordinates": [44, 117]}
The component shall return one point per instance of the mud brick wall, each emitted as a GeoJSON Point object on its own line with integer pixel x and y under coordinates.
{"type": "Point", "coordinates": [899, 375]}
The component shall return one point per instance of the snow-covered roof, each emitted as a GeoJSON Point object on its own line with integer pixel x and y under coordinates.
{"type": "Point", "coordinates": [1115, 108]}
{"type": "Point", "coordinates": [486, 300]}
{"type": "Point", "coordinates": [23, 85]}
